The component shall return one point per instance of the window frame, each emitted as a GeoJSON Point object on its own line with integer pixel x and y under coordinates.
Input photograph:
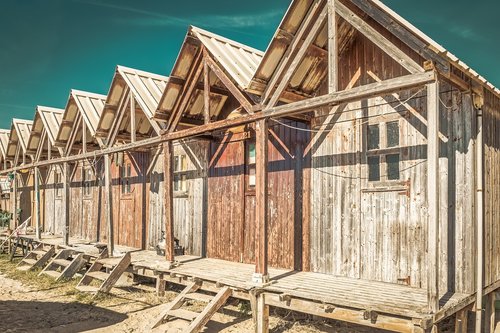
{"type": "Point", "coordinates": [180, 175]}
{"type": "Point", "coordinates": [249, 188]}
{"type": "Point", "coordinates": [125, 178]}
{"type": "Point", "coordinates": [58, 184]}
{"type": "Point", "coordinates": [87, 183]}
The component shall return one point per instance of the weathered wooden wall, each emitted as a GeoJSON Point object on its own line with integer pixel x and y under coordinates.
{"type": "Point", "coordinates": [189, 207]}
{"type": "Point", "coordinates": [130, 212]}
{"type": "Point", "coordinates": [491, 128]}
{"type": "Point", "coordinates": [231, 205]}
{"type": "Point", "coordinates": [25, 192]}
{"type": "Point", "coordinates": [379, 232]}
{"type": "Point", "coordinates": [53, 223]}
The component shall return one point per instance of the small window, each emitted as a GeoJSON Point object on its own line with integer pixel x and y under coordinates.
{"type": "Point", "coordinates": [251, 167]}
{"type": "Point", "coordinates": [392, 166]}
{"type": "Point", "coordinates": [180, 173]}
{"type": "Point", "coordinates": [58, 184]}
{"type": "Point", "coordinates": [373, 137]}
{"type": "Point", "coordinates": [126, 171]}
{"type": "Point", "coordinates": [88, 179]}
{"type": "Point", "coordinates": [392, 134]}
{"type": "Point", "coordinates": [374, 168]}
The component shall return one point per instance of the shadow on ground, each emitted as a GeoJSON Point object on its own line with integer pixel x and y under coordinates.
{"type": "Point", "coordinates": [36, 316]}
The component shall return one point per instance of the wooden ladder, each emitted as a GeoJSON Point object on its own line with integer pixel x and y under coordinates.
{"type": "Point", "coordinates": [196, 321]}
{"type": "Point", "coordinates": [65, 265]}
{"type": "Point", "coordinates": [36, 258]}
{"type": "Point", "coordinates": [99, 272]}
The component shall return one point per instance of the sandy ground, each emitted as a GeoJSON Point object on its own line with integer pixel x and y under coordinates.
{"type": "Point", "coordinates": [30, 303]}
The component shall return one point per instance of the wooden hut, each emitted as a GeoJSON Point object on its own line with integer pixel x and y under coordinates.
{"type": "Point", "coordinates": [80, 183]}
{"type": "Point", "coordinates": [47, 189]}
{"type": "Point", "coordinates": [22, 183]}
{"type": "Point", "coordinates": [5, 188]}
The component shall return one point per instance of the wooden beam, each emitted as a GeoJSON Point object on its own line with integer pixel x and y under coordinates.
{"type": "Point", "coordinates": [206, 92]}
{"type": "Point", "coordinates": [132, 119]}
{"type": "Point", "coordinates": [333, 54]}
{"type": "Point", "coordinates": [168, 188]}
{"type": "Point", "coordinates": [291, 51]}
{"type": "Point", "coordinates": [433, 196]}
{"type": "Point", "coordinates": [261, 275]}
{"type": "Point", "coordinates": [229, 84]}
{"type": "Point", "coordinates": [66, 201]}
{"type": "Point", "coordinates": [346, 96]}
{"type": "Point", "coordinates": [84, 136]}
{"type": "Point", "coordinates": [383, 43]}
{"type": "Point", "coordinates": [187, 92]}
{"type": "Point", "coordinates": [36, 176]}
{"type": "Point", "coordinates": [108, 201]}
{"type": "Point", "coordinates": [14, 202]}
{"type": "Point", "coordinates": [115, 127]}
{"type": "Point", "coordinates": [262, 316]}
{"type": "Point", "coordinates": [479, 206]}
{"type": "Point", "coordinates": [297, 59]}
{"type": "Point", "coordinates": [200, 86]}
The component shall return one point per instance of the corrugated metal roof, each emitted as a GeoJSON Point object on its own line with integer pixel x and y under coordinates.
{"type": "Point", "coordinates": [82, 104]}
{"type": "Point", "coordinates": [19, 134]}
{"type": "Point", "coordinates": [238, 61]}
{"type": "Point", "coordinates": [311, 72]}
{"type": "Point", "coordinates": [147, 89]}
{"type": "Point", "coordinates": [4, 141]}
{"type": "Point", "coordinates": [47, 120]}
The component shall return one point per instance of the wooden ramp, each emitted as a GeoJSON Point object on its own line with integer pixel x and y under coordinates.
{"type": "Point", "coordinates": [103, 274]}
{"type": "Point", "coordinates": [37, 258]}
{"type": "Point", "coordinates": [195, 320]}
{"type": "Point", "coordinates": [64, 265]}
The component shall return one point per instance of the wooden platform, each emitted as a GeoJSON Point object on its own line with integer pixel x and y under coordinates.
{"type": "Point", "coordinates": [371, 303]}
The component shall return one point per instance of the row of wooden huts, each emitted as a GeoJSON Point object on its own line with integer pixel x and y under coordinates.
{"type": "Point", "coordinates": [354, 146]}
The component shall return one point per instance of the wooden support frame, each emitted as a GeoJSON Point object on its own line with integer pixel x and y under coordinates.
{"type": "Point", "coordinates": [433, 196]}
{"type": "Point", "coordinates": [66, 201]}
{"type": "Point", "coordinates": [479, 206]}
{"type": "Point", "coordinates": [14, 202]}
{"type": "Point", "coordinates": [261, 275]}
{"type": "Point", "coordinates": [206, 92]}
{"type": "Point", "coordinates": [383, 43]}
{"type": "Point", "coordinates": [168, 188]}
{"type": "Point", "coordinates": [333, 54]}
{"type": "Point", "coordinates": [108, 214]}
{"type": "Point", "coordinates": [132, 119]}
{"type": "Point", "coordinates": [36, 175]}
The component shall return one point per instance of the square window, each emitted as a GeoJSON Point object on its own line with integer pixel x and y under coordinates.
{"type": "Point", "coordinates": [374, 168]}
{"type": "Point", "coordinates": [373, 137]}
{"type": "Point", "coordinates": [392, 167]}
{"type": "Point", "coordinates": [392, 134]}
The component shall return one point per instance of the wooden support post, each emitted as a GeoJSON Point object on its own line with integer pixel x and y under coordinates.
{"type": "Point", "coordinates": [261, 275]}
{"type": "Point", "coordinates": [206, 91]}
{"type": "Point", "coordinates": [132, 119]}
{"type": "Point", "coordinates": [433, 195]}
{"type": "Point", "coordinates": [66, 201]}
{"type": "Point", "coordinates": [84, 136]}
{"type": "Point", "coordinates": [14, 202]}
{"type": "Point", "coordinates": [108, 203]}
{"type": "Point", "coordinates": [262, 325]}
{"type": "Point", "coordinates": [168, 185]}
{"type": "Point", "coordinates": [333, 54]}
{"type": "Point", "coordinates": [161, 285]}
{"type": "Point", "coordinates": [36, 175]}
{"type": "Point", "coordinates": [461, 321]}
{"type": "Point", "coordinates": [479, 221]}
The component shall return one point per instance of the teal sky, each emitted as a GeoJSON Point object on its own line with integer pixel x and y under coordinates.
{"type": "Point", "coordinates": [48, 47]}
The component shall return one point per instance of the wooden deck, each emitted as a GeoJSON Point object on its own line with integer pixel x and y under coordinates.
{"type": "Point", "coordinates": [313, 293]}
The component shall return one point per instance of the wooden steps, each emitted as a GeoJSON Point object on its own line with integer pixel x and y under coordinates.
{"type": "Point", "coordinates": [104, 271]}
{"type": "Point", "coordinates": [196, 320]}
{"type": "Point", "coordinates": [65, 265]}
{"type": "Point", "coordinates": [36, 258]}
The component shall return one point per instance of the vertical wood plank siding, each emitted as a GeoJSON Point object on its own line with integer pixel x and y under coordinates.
{"type": "Point", "coordinates": [361, 231]}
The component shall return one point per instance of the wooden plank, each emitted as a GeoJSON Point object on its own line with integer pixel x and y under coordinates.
{"type": "Point", "coordinates": [297, 59]}
{"type": "Point", "coordinates": [346, 96]}
{"type": "Point", "coordinates": [433, 195]}
{"type": "Point", "coordinates": [333, 54]}
{"type": "Point", "coordinates": [66, 202]}
{"type": "Point", "coordinates": [383, 43]}
{"type": "Point", "coordinates": [168, 188]}
{"type": "Point", "coordinates": [76, 265]}
{"type": "Point", "coordinates": [115, 274]}
{"type": "Point", "coordinates": [132, 119]}
{"type": "Point", "coordinates": [206, 92]}
{"type": "Point", "coordinates": [108, 201]}
{"type": "Point", "coordinates": [479, 206]}
{"type": "Point", "coordinates": [262, 201]}
{"type": "Point", "coordinates": [229, 84]}
{"type": "Point", "coordinates": [262, 325]}
{"type": "Point", "coordinates": [37, 215]}
{"type": "Point", "coordinates": [215, 304]}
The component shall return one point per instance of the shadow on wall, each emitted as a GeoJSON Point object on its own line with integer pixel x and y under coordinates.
{"type": "Point", "coordinates": [38, 316]}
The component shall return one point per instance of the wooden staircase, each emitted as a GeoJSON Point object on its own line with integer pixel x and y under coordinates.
{"type": "Point", "coordinates": [36, 258]}
{"type": "Point", "coordinates": [195, 320]}
{"type": "Point", "coordinates": [65, 265]}
{"type": "Point", "coordinates": [104, 271]}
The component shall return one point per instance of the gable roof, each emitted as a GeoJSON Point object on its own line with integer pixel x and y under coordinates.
{"type": "Point", "coordinates": [311, 72]}
{"type": "Point", "coordinates": [238, 61]}
{"type": "Point", "coordinates": [4, 141]}
{"type": "Point", "coordinates": [82, 104]}
{"type": "Point", "coordinates": [19, 135]}
{"type": "Point", "coordinates": [146, 88]}
{"type": "Point", "coordinates": [46, 119]}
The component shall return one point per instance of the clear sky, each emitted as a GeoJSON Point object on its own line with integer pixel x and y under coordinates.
{"type": "Point", "coordinates": [48, 47]}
